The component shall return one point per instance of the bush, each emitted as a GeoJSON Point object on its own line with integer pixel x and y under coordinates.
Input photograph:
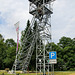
{"type": "Point", "coordinates": [71, 69]}
{"type": "Point", "coordinates": [7, 69]}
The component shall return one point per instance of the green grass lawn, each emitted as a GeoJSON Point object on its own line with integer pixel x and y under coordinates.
{"type": "Point", "coordinates": [55, 73]}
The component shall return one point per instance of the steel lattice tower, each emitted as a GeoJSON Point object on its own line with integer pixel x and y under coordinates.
{"type": "Point", "coordinates": [41, 11]}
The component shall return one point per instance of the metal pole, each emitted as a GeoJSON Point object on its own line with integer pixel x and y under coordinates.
{"type": "Point", "coordinates": [44, 40]}
{"type": "Point", "coordinates": [48, 68]}
{"type": "Point", "coordinates": [44, 57]}
{"type": "Point", "coordinates": [53, 69]}
{"type": "Point", "coordinates": [15, 64]}
{"type": "Point", "coordinates": [40, 68]}
{"type": "Point", "coordinates": [16, 55]}
{"type": "Point", "coordinates": [16, 51]}
{"type": "Point", "coordinates": [36, 50]}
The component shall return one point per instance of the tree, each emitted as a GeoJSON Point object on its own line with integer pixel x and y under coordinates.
{"type": "Point", "coordinates": [2, 52]}
{"type": "Point", "coordinates": [36, 34]}
{"type": "Point", "coordinates": [1, 38]}
{"type": "Point", "coordinates": [10, 53]}
{"type": "Point", "coordinates": [65, 41]}
{"type": "Point", "coordinates": [68, 57]}
{"type": "Point", "coordinates": [26, 40]}
{"type": "Point", "coordinates": [32, 65]}
{"type": "Point", "coordinates": [26, 34]}
{"type": "Point", "coordinates": [10, 43]}
{"type": "Point", "coordinates": [10, 58]}
{"type": "Point", "coordinates": [68, 48]}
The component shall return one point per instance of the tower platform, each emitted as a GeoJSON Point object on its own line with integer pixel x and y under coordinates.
{"type": "Point", "coordinates": [36, 2]}
{"type": "Point", "coordinates": [40, 11]}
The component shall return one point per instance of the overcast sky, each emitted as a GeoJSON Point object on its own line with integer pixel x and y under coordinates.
{"type": "Point", "coordinates": [12, 11]}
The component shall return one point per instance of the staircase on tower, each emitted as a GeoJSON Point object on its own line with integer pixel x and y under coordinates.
{"type": "Point", "coordinates": [24, 54]}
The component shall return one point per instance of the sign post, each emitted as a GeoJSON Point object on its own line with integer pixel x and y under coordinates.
{"type": "Point", "coordinates": [52, 60]}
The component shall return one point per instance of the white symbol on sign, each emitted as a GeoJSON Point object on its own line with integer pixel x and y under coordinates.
{"type": "Point", "coordinates": [52, 54]}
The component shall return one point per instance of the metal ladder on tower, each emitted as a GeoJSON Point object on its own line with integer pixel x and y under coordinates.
{"type": "Point", "coordinates": [29, 51]}
{"type": "Point", "coordinates": [24, 54]}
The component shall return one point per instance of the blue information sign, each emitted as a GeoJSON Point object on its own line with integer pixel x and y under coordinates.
{"type": "Point", "coordinates": [52, 55]}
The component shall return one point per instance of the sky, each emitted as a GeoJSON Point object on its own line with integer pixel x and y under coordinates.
{"type": "Point", "coordinates": [62, 19]}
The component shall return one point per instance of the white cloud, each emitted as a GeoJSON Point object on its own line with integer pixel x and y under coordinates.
{"type": "Point", "coordinates": [13, 11]}
{"type": "Point", "coordinates": [63, 18]}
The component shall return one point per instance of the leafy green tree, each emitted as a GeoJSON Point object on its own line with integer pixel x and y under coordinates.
{"type": "Point", "coordinates": [65, 41]}
{"type": "Point", "coordinates": [32, 65]}
{"type": "Point", "coordinates": [10, 58]}
{"type": "Point", "coordinates": [1, 38]}
{"type": "Point", "coordinates": [2, 52]}
{"type": "Point", "coordinates": [26, 38]}
{"type": "Point", "coordinates": [10, 43]}
{"type": "Point", "coordinates": [33, 58]}
{"type": "Point", "coordinates": [68, 48]}
{"type": "Point", "coordinates": [26, 34]}
{"type": "Point", "coordinates": [10, 53]}
{"type": "Point", "coordinates": [68, 57]}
